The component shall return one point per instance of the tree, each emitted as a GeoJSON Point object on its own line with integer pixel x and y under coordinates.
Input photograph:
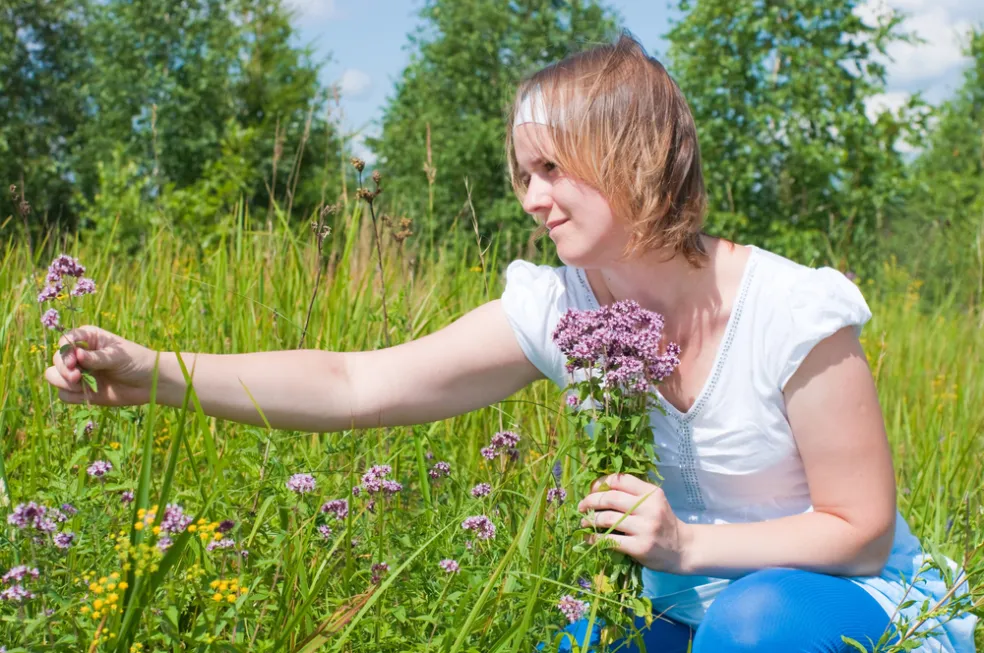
{"type": "Point", "coordinates": [942, 237]}
{"type": "Point", "coordinates": [130, 107]}
{"type": "Point", "coordinates": [42, 105]}
{"type": "Point", "coordinates": [778, 91]}
{"type": "Point", "coordinates": [465, 64]}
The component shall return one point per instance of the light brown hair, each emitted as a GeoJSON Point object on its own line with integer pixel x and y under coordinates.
{"type": "Point", "coordinates": [620, 124]}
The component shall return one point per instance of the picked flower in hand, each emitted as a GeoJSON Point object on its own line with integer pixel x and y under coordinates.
{"type": "Point", "coordinates": [616, 356]}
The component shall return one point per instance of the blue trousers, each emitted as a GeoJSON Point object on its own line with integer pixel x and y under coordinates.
{"type": "Point", "coordinates": [775, 610]}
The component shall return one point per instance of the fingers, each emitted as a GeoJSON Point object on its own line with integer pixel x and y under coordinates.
{"type": "Point", "coordinates": [89, 334]}
{"type": "Point", "coordinates": [62, 378]}
{"type": "Point", "coordinates": [627, 544]}
{"type": "Point", "coordinates": [620, 521]}
{"type": "Point", "coordinates": [71, 397]}
{"type": "Point", "coordinates": [611, 500]}
{"type": "Point", "coordinates": [626, 483]}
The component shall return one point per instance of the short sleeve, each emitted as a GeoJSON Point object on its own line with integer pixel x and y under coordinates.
{"type": "Point", "coordinates": [819, 303]}
{"type": "Point", "coordinates": [534, 298]}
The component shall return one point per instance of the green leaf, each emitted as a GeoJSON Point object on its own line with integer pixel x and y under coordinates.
{"type": "Point", "coordinates": [853, 644]}
{"type": "Point", "coordinates": [90, 380]}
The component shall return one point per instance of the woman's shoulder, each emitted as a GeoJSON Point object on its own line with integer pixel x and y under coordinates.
{"type": "Point", "coordinates": [534, 298]}
{"type": "Point", "coordinates": [556, 286]}
{"type": "Point", "coordinates": [794, 286]}
{"type": "Point", "coordinates": [795, 306]}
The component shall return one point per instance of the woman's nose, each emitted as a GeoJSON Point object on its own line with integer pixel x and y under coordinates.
{"type": "Point", "coordinates": [537, 195]}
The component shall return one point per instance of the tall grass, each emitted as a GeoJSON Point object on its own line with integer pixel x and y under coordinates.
{"type": "Point", "coordinates": [251, 292]}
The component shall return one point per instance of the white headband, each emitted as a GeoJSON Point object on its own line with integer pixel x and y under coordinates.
{"type": "Point", "coordinates": [532, 109]}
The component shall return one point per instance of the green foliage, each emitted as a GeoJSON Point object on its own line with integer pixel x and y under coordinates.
{"type": "Point", "coordinates": [43, 65]}
{"type": "Point", "coordinates": [306, 593]}
{"type": "Point", "coordinates": [198, 99]}
{"type": "Point", "coordinates": [941, 237]}
{"type": "Point", "coordinates": [778, 93]}
{"type": "Point", "coordinates": [465, 64]}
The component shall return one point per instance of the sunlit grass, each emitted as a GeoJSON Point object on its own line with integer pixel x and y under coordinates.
{"type": "Point", "coordinates": [304, 593]}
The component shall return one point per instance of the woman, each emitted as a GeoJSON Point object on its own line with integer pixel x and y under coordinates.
{"type": "Point", "coordinates": [775, 528]}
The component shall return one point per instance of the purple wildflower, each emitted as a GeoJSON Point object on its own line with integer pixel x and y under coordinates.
{"type": "Point", "coordinates": [226, 525]}
{"type": "Point", "coordinates": [440, 470]}
{"type": "Point", "coordinates": [557, 494]}
{"type": "Point", "coordinates": [325, 531]}
{"type": "Point", "coordinates": [126, 497]}
{"type": "Point", "coordinates": [64, 540]}
{"type": "Point", "coordinates": [27, 515]}
{"type": "Point", "coordinates": [69, 509]}
{"type": "Point", "coordinates": [301, 483]}
{"type": "Point", "coordinates": [99, 468]}
{"type": "Point", "coordinates": [175, 520]}
{"type": "Point", "coordinates": [481, 525]}
{"type": "Point", "coordinates": [89, 427]}
{"type": "Point", "coordinates": [64, 266]}
{"type": "Point", "coordinates": [375, 481]}
{"type": "Point", "coordinates": [449, 565]}
{"type": "Point", "coordinates": [572, 401]}
{"type": "Point", "coordinates": [224, 543]}
{"type": "Point", "coordinates": [84, 286]}
{"type": "Point", "coordinates": [46, 525]}
{"type": "Point", "coordinates": [58, 515]}
{"type": "Point", "coordinates": [18, 573]}
{"type": "Point", "coordinates": [557, 471]}
{"type": "Point", "coordinates": [378, 571]}
{"type": "Point", "coordinates": [481, 490]}
{"type": "Point", "coordinates": [337, 507]}
{"type": "Point", "coordinates": [16, 594]}
{"type": "Point", "coordinates": [584, 583]}
{"type": "Point", "coordinates": [165, 542]}
{"type": "Point", "coordinates": [50, 319]}
{"type": "Point", "coordinates": [622, 339]}
{"type": "Point", "coordinates": [503, 442]}
{"type": "Point", "coordinates": [49, 292]}
{"type": "Point", "coordinates": [572, 608]}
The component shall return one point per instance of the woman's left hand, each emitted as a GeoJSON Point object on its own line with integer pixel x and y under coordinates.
{"type": "Point", "coordinates": [653, 535]}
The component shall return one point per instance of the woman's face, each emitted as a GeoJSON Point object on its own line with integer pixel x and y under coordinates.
{"type": "Point", "coordinates": [579, 218]}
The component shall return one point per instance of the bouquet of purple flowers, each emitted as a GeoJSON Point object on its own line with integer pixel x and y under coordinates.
{"type": "Point", "coordinates": [616, 357]}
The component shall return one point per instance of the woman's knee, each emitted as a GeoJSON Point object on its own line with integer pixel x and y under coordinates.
{"type": "Point", "coordinates": [782, 609]}
{"type": "Point", "coordinates": [744, 615]}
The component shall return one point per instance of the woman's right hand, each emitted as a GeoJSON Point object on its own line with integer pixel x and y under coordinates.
{"type": "Point", "coordinates": [123, 369]}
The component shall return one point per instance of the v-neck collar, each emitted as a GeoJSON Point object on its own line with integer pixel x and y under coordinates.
{"type": "Point", "coordinates": [723, 347]}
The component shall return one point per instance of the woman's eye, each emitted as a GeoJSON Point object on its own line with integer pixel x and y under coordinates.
{"type": "Point", "coordinates": [549, 166]}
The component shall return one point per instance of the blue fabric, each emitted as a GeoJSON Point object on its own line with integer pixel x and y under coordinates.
{"type": "Point", "coordinates": [775, 610]}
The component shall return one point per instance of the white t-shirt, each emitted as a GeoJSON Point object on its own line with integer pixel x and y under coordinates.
{"type": "Point", "coordinates": [732, 457]}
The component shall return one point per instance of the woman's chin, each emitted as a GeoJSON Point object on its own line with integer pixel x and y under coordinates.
{"type": "Point", "coordinates": [570, 254]}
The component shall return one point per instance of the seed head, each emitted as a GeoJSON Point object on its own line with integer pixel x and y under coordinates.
{"type": "Point", "coordinates": [358, 163]}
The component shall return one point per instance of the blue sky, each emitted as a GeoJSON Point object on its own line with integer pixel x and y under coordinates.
{"type": "Point", "coordinates": [366, 41]}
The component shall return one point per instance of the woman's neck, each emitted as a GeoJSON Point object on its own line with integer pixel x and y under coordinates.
{"type": "Point", "coordinates": [657, 283]}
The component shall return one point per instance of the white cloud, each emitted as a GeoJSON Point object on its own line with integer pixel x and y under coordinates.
{"type": "Point", "coordinates": [890, 101]}
{"type": "Point", "coordinates": [306, 9]}
{"type": "Point", "coordinates": [943, 26]}
{"type": "Point", "coordinates": [355, 84]}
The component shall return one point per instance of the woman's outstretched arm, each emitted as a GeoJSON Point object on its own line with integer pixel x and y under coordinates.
{"type": "Point", "coordinates": [471, 363]}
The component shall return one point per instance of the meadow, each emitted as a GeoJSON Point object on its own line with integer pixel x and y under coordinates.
{"type": "Point", "coordinates": [201, 536]}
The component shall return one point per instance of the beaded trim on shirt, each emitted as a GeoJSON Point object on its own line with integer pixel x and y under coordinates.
{"type": "Point", "coordinates": [688, 458]}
